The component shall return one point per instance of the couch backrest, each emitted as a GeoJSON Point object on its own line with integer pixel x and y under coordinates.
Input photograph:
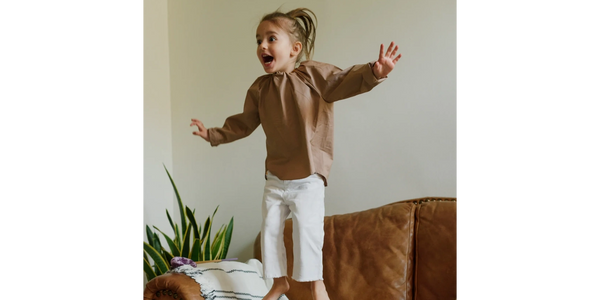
{"type": "Point", "coordinates": [435, 249]}
{"type": "Point", "coordinates": [396, 251]}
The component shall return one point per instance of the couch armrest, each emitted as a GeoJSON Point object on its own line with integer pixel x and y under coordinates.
{"type": "Point", "coordinates": [172, 286]}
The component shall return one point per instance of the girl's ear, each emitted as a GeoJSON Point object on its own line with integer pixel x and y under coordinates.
{"type": "Point", "coordinates": [296, 48]}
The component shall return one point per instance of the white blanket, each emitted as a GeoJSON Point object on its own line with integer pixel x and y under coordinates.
{"type": "Point", "coordinates": [230, 280]}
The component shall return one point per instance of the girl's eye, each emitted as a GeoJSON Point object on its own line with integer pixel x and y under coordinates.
{"type": "Point", "coordinates": [272, 39]}
{"type": "Point", "coordinates": [258, 42]}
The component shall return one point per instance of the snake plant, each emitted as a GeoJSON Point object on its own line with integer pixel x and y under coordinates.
{"type": "Point", "coordinates": [187, 240]}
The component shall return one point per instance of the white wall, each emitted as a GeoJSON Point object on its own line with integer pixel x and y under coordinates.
{"type": "Point", "coordinates": [396, 142]}
{"type": "Point", "coordinates": [158, 194]}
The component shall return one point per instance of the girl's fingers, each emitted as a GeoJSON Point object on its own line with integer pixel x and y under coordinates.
{"type": "Point", "coordinates": [197, 123]}
{"type": "Point", "coordinates": [394, 52]}
{"type": "Point", "coordinates": [397, 58]}
{"type": "Point", "coordinates": [389, 51]}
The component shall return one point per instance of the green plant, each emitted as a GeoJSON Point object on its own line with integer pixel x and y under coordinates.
{"type": "Point", "coordinates": [197, 247]}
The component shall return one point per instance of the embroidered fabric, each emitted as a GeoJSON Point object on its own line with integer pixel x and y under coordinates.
{"type": "Point", "coordinates": [229, 280]}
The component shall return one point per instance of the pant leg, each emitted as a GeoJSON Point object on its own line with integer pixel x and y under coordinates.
{"type": "Point", "coordinates": [274, 211]}
{"type": "Point", "coordinates": [306, 200]}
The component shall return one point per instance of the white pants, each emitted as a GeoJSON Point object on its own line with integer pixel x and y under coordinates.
{"type": "Point", "coordinates": [304, 198]}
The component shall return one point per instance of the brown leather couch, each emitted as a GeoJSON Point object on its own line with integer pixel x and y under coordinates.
{"type": "Point", "coordinates": [403, 250]}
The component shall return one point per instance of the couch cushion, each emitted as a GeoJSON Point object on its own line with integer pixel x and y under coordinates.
{"type": "Point", "coordinates": [435, 238]}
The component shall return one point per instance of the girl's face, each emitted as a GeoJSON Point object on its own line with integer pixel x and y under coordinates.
{"type": "Point", "coordinates": [275, 51]}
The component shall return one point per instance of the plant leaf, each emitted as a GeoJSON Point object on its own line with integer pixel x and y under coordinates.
{"type": "Point", "coordinates": [190, 216]}
{"type": "Point", "coordinates": [148, 270]}
{"type": "Point", "coordinates": [215, 245]}
{"type": "Point", "coordinates": [170, 220]}
{"type": "Point", "coordinates": [212, 252]}
{"type": "Point", "coordinates": [219, 254]}
{"type": "Point", "coordinates": [181, 212]}
{"type": "Point", "coordinates": [185, 250]}
{"type": "Point", "coordinates": [173, 226]}
{"type": "Point", "coordinates": [174, 249]}
{"type": "Point", "coordinates": [156, 241]}
{"type": "Point", "coordinates": [207, 253]}
{"type": "Point", "coordinates": [228, 234]}
{"type": "Point", "coordinates": [159, 261]}
{"type": "Point", "coordinates": [195, 255]}
{"type": "Point", "coordinates": [206, 226]}
{"type": "Point", "coordinates": [167, 256]}
{"type": "Point", "coordinates": [177, 239]}
{"type": "Point", "coordinates": [149, 234]}
{"type": "Point", "coordinates": [215, 211]}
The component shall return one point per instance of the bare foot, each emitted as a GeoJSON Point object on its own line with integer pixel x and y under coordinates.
{"type": "Point", "coordinates": [280, 287]}
{"type": "Point", "coordinates": [318, 291]}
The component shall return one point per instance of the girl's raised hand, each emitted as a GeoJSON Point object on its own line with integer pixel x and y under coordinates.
{"type": "Point", "coordinates": [202, 132]}
{"type": "Point", "coordinates": [385, 64]}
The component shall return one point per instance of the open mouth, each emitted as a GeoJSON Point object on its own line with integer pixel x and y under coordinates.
{"type": "Point", "coordinates": [267, 59]}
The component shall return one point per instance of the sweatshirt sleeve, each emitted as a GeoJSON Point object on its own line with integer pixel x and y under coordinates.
{"type": "Point", "coordinates": [335, 84]}
{"type": "Point", "coordinates": [240, 125]}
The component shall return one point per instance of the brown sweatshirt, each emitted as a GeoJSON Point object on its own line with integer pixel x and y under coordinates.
{"type": "Point", "coordinates": [296, 113]}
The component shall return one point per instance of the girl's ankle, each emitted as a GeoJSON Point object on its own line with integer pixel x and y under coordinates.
{"type": "Point", "coordinates": [281, 283]}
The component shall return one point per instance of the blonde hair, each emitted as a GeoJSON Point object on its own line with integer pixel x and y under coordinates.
{"type": "Point", "coordinates": [300, 26]}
